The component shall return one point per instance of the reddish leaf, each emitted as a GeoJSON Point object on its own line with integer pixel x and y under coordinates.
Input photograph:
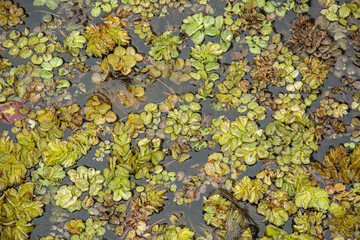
{"type": "Point", "coordinates": [9, 111]}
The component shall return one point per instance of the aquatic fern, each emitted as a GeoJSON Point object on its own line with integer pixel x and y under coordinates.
{"type": "Point", "coordinates": [241, 137]}
{"type": "Point", "coordinates": [120, 184]}
{"type": "Point", "coordinates": [311, 222]}
{"type": "Point", "coordinates": [10, 14]}
{"type": "Point", "coordinates": [74, 43]}
{"type": "Point", "coordinates": [68, 197]}
{"type": "Point", "coordinates": [204, 60]}
{"type": "Point", "coordinates": [86, 179]}
{"type": "Point", "coordinates": [344, 213]}
{"type": "Point", "coordinates": [12, 170]}
{"type": "Point", "coordinates": [172, 232]}
{"type": "Point", "coordinates": [185, 123]}
{"type": "Point", "coordinates": [341, 164]}
{"type": "Point", "coordinates": [312, 197]}
{"type": "Point", "coordinates": [292, 178]}
{"type": "Point", "coordinates": [50, 124]}
{"type": "Point", "coordinates": [294, 143]}
{"type": "Point", "coordinates": [277, 207]}
{"type": "Point", "coordinates": [47, 176]}
{"type": "Point", "coordinates": [61, 152]}
{"type": "Point", "coordinates": [69, 151]}
{"type": "Point", "coordinates": [31, 146]}
{"type": "Point", "coordinates": [216, 210]}
{"type": "Point", "coordinates": [278, 234]}
{"type": "Point", "coordinates": [248, 189]}
{"type": "Point", "coordinates": [148, 203]}
{"type": "Point", "coordinates": [123, 60]}
{"type": "Point", "coordinates": [103, 39]}
{"type": "Point", "coordinates": [198, 25]}
{"type": "Point", "coordinates": [17, 209]}
{"type": "Point", "coordinates": [165, 46]}
{"type": "Point", "coordinates": [93, 227]}
{"type": "Point", "coordinates": [313, 71]}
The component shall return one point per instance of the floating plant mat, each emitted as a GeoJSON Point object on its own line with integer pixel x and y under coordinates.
{"type": "Point", "coordinates": [162, 119]}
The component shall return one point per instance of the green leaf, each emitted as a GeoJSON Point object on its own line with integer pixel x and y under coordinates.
{"type": "Point", "coordinates": [212, 66]}
{"type": "Point", "coordinates": [106, 7]}
{"type": "Point", "coordinates": [35, 59]}
{"type": "Point", "coordinates": [227, 35]}
{"type": "Point", "coordinates": [212, 31]}
{"type": "Point", "coordinates": [56, 62]}
{"type": "Point", "coordinates": [193, 28]}
{"type": "Point", "coordinates": [183, 157]}
{"type": "Point", "coordinates": [198, 18]}
{"type": "Point", "coordinates": [198, 37]}
{"type": "Point", "coordinates": [39, 2]}
{"type": "Point", "coordinates": [331, 16]}
{"type": "Point", "coordinates": [219, 21]}
{"type": "Point", "coordinates": [47, 66]}
{"type": "Point", "coordinates": [25, 52]}
{"type": "Point", "coordinates": [63, 84]}
{"type": "Point", "coordinates": [269, 7]}
{"type": "Point", "coordinates": [344, 11]}
{"type": "Point", "coordinates": [14, 50]}
{"type": "Point", "coordinates": [255, 49]}
{"type": "Point", "coordinates": [260, 3]}
{"type": "Point", "coordinates": [52, 4]}
{"type": "Point", "coordinates": [224, 46]}
{"type": "Point", "coordinates": [266, 30]}
{"type": "Point", "coordinates": [46, 74]}
{"type": "Point", "coordinates": [95, 11]}
{"type": "Point", "coordinates": [312, 197]}
{"type": "Point", "coordinates": [208, 21]}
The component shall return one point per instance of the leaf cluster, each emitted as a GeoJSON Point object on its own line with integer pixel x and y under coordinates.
{"type": "Point", "coordinates": [99, 111]}
{"type": "Point", "coordinates": [74, 43]}
{"type": "Point", "coordinates": [204, 60]}
{"type": "Point", "coordinates": [10, 14]}
{"type": "Point", "coordinates": [93, 227]}
{"type": "Point", "coordinates": [140, 162]}
{"type": "Point", "coordinates": [123, 60]}
{"type": "Point", "coordinates": [276, 233]}
{"type": "Point", "coordinates": [69, 151]}
{"type": "Point", "coordinates": [293, 143]}
{"type": "Point", "coordinates": [67, 197]}
{"type": "Point", "coordinates": [17, 209]}
{"type": "Point", "coordinates": [241, 138]}
{"type": "Point", "coordinates": [87, 179]}
{"type": "Point", "coordinates": [172, 232]}
{"type": "Point", "coordinates": [198, 25]}
{"type": "Point", "coordinates": [164, 46]}
{"type": "Point", "coordinates": [277, 207]}
{"type": "Point", "coordinates": [148, 203]}
{"type": "Point", "coordinates": [15, 158]}
{"type": "Point", "coordinates": [120, 183]}
{"type": "Point", "coordinates": [39, 47]}
{"type": "Point", "coordinates": [103, 39]}
{"type": "Point", "coordinates": [46, 176]}
{"type": "Point", "coordinates": [345, 213]}
{"type": "Point", "coordinates": [178, 70]}
{"type": "Point", "coordinates": [312, 197]}
{"type": "Point", "coordinates": [340, 13]}
{"type": "Point", "coordinates": [250, 190]}
{"type": "Point", "coordinates": [310, 222]}
{"type": "Point", "coordinates": [216, 209]}
{"type": "Point", "coordinates": [313, 71]}
{"type": "Point", "coordinates": [51, 4]}
{"type": "Point", "coordinates": [185, 123]}
{"type": "Point", "coordinates": [340, 164]}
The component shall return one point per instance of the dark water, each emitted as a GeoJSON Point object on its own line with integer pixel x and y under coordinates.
{"type": "Point", "coordinates": [157, 92]}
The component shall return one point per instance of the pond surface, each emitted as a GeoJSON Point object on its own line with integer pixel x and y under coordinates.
{"type": "Point", "coordinates": [162, 119]}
